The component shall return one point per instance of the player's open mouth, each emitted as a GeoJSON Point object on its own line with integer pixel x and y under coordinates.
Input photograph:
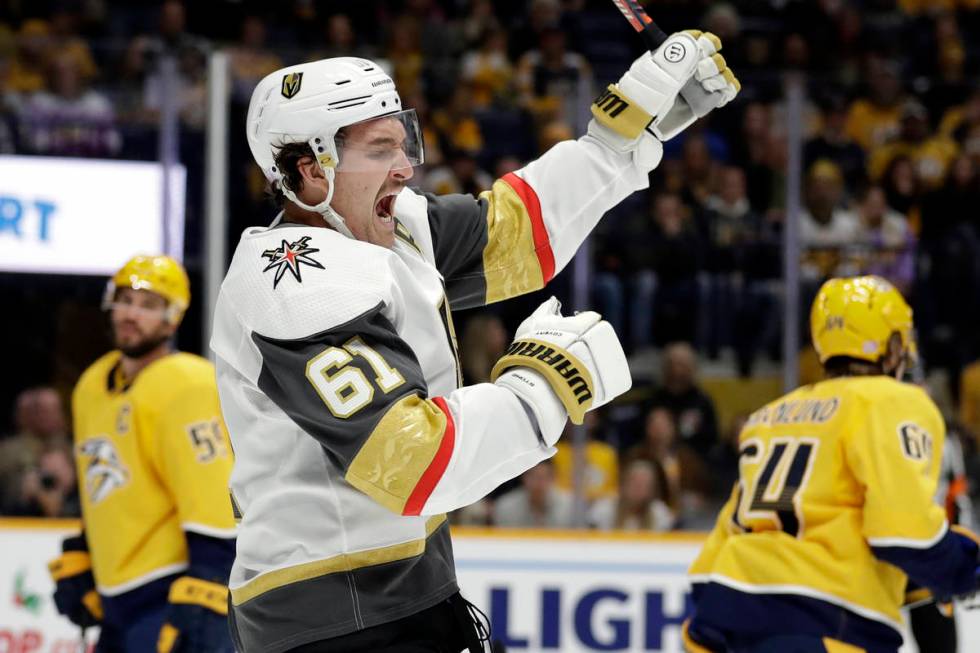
{"type": "Point", "coordinates": [385, 208]}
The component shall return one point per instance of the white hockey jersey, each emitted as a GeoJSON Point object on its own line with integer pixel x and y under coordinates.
{"type": "Point", "coordinates": [339, 384]}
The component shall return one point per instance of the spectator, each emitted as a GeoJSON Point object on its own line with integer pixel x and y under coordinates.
{"type": "Point", "coordinates": [834, 144]}
{"type": "Point", "coordinates": [692, 409]}
{"type": "Point", "coordinates": [553, 83]}
{"type": "Point", "coordinates": [600, 476]}
{"type": "Point", "coordinates": [250, 60]}
{"type": "Point", "coordinates": [943, 209]}
{"type": "Point", "coordinates": [340, 40]}
{"type": "Point", "coordinates": [190, 53]}
{"type": "Point", "coordinates": [462, 174]}
{"type": "Point", "coordinates": [66, 41]}
{"type": "Point", "coordinates": [457, 126]}
{"type": "Point", "coordinates": [824, 222]}
{"type": "Point", "coordinates": [538, 503]}
{"type": "Point", "coordinates": [659, 448]}
{"type": "Point", "coordinates": [873, 120]}
{"type": "Point", "coordinates": [70, 119]}
{"type": "Point", "coordinates": [50, 490]}
{"type": "Point", "coordinates": [541, 16]}
{"type": "Point", "coordinates": [405, 54]}
{"type": "Point", "coordinates": [130, 82]}
{"type": "Point", "coordinates": [699, 170]}
{"type": "Point", "coordinates": [27, 73]}
{"type": "Point", "coordinates": [930, 155]}
{"type": "Point", "coordinates": [487, 70]}
{"type": "Point", "coordinates": [638, 506]}
{"type": "Point", "coordinates": [478, 23]}
{"type": "Point", "coordinates": [552, 133]}
{"type": "Point", "coordinates": [902, 188]}
{"type": "Point", "coordinates": [825, 225]}
{"type": "Point", "coordinates": [484, 342]}
{"type": "Point", "coordinates": [39, 419]}
{"type": "Point", "coordinates": [664, 262]}
{"type": "Point", "coordinates": [172, 37]}
{"type": "Point", "coordinates": [948, 82]}
{"type": "Point", "coordinates": [729, 225]}
{"type": "Point", "coordinates": [962, 122]}
{"type": "Point", "coordinates": [749, 152]}
{"type": "Point", "coordinates": [889, 241]}
{"type": "Point", "coordinates": [190, 92]}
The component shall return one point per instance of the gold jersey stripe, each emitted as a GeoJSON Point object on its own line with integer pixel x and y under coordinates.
{"type": "Point", "coordinates": [342, 562]}
{"type": "Point", "coordinates": [391, 461]}
{"type": "Point", "coordinates": [837, 646]}
{"type": "Point", "coordinates": [511, 263]}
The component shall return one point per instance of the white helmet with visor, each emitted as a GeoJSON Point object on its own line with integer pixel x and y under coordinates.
{"type": "Point", "coordinates": [310, 103]}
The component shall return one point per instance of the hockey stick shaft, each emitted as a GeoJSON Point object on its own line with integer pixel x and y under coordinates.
{"type": "Point", "coordinates": [642, 23]}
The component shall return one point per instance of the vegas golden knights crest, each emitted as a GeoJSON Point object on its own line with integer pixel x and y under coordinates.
{"type": "Point", "coordinates": [291, 84]}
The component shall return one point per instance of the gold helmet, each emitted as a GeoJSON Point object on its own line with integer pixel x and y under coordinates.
{"type": "Point", "coordinates": [161, 275]}
{"type": "Point", "coordinates": [856, 316]}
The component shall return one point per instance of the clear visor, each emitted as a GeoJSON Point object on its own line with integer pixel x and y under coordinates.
{"type": "Point", "coordinates": [381, 144]}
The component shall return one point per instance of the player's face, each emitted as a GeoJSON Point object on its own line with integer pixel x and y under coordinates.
{"type": "Point", "coordinates": [373, 169]}
{"type": "Point", "coordinates": [139, 321]}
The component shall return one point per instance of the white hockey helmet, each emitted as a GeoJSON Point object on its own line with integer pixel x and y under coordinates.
{"type": "Point", "coordinates": [311, 102]}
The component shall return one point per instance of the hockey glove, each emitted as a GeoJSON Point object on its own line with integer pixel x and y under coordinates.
{"type": "Point", "coordinates": [197, 617]}
{"type": "Point", "coordinates": [662, 94]}
{"type": "Point", "coordinates": [74, 594]}
{"type": "Point", "coordinates": [562, 367]}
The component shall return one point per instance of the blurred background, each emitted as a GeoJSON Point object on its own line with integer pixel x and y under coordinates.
{"type": "Point", "coordinates": [854, 147]}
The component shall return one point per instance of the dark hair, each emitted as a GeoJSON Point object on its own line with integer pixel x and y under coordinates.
{"type": "Point", "coordinates": [286, 158]}
{"type": "Point", "coordinates": [847, 366]}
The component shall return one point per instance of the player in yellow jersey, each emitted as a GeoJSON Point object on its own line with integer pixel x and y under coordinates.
{"type": "Point", "coordinates": [834, 502]}
{"type": "Point", "coordinates": [151, 565]}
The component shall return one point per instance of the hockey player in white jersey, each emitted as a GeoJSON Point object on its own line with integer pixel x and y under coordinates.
{"type": "Point", "coordinates": [336, 358]}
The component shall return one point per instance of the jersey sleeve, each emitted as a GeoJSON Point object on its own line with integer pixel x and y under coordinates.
{"type": "Point", "coordinates": [895, 452]}
{"type": "Point", "coordinates": [194, 460]}
{"type": "Point", "coordinates": [515, 237]}
{"type": "Point", "coordinates": [359, 390]}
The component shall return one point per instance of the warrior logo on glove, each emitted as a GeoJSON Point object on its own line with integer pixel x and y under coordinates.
{"type": "Point", "coordinates": [675, 52]}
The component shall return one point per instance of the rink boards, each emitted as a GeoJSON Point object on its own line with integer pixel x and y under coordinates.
{"type": "Point", "coordinates": [543, 591]}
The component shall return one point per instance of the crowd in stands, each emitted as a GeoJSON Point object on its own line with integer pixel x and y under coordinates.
{"type": "Point", "coordinates": [691, 269]}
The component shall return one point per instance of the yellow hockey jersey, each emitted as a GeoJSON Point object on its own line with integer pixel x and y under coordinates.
{"type": "Point", "coordinates": [153, 461]}
{"type": "Point", "coordinates": [834, 478]}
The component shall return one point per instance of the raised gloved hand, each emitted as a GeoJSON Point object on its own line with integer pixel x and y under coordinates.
{"type": "Point", "coordinates": [74, 594]}
{"type": "Point", "coordinates": [197, 617]}
{"type": "Point", "coordinates": [662, 94]}
{"type": "Point", "coordinates": [562, 366]}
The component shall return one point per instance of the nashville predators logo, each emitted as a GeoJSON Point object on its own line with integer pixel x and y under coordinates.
{"type": "Point", "coordinates": [104, 471]}
{"type": "Point", "coordinates": [291, 84]}
{"type": "Point", "coordinates": [290, 257]}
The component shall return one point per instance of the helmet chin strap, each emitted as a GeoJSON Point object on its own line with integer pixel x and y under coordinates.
{"type": "Point", "coordinates": [331, 217]}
